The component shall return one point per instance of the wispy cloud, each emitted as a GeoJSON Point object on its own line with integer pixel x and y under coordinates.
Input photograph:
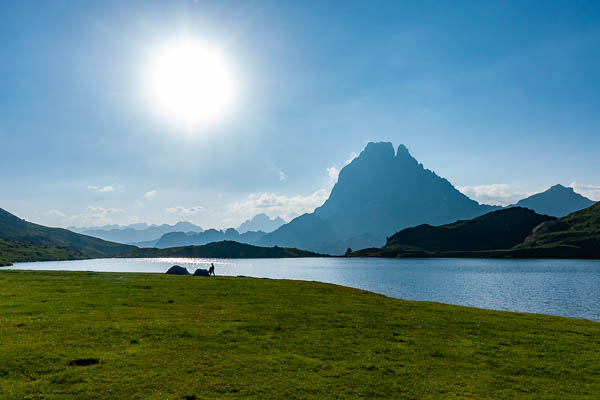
{"type": "Point", "coordinates": [151, 193]}
{"type": "Point", "coordinates": [334, 171]}
{"type": "Point", "coordinates": [92, 216]}
{"type": "Point", "coordinates": [497, 194]}
{"type": "Point", "coordinates": [101, 188]}
{"type": "Point", "coordinates": [55, 213]}
{"type": "Point", "coordinates": [282, 176]}
{"type": "Point", "coordinates": [590, 191]}
{"type": "Point", "coordinates": [287, 207]}
{"type": "Point", "coordinates": [186, 211]}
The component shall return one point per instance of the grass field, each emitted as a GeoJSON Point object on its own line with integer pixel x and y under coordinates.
{"type": "Point", "coordinates": [170, 337]}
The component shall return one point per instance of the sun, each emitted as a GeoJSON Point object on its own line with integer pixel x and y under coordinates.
{"type": "Point", "coordinates": [190, 82]}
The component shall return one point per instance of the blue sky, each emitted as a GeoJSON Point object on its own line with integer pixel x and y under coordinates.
{"type": "Point", "coordinates": [501, 98]}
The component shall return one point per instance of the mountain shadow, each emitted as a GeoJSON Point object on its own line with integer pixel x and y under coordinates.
{"type": "Point", "coordinates": [557, 201]}
{"type": "Point", "coordinates": [380, 192]}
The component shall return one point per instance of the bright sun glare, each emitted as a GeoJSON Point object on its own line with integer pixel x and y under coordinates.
{"type": "Point", "coordinates": [191, 83]}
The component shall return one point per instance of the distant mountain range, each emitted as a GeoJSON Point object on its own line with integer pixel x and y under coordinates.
{"type": "Point", "coordinates": [378, 193]}
{"type": "Point", "coordinates": [558, 201]}
{"type": "Point", "coordinates": [182, 233]}
{"type": "Point", "coordinates": [261, 222]}
{"type": "Point", "coordinates": [138, 232]}
{"type": "Point", "coordinates": [22, 241]}
{"type": "Point", "coordinates": [513, 232]}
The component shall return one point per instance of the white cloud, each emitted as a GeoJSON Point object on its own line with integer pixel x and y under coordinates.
{"type": "Point", "coordinates": [180, 210]}
{"type": "Point", "coordinates": [151, 193]}
{"type": "Point", "coordinates": [101, 188]}
{"type": "Point", "coordinates": [351, 156]}
{"type": "Point", "coordinates": [282, 176]}
{"type": "Point", "coordinates": [590, 191]}
{"type": "Point", "coordinates": [333, 173]}
{"type": "Point", "coordinates": [56, 213]}
{"type": "Point", "coordinates": [496, 194]}
{"type": "Point", "coordinates": [93, 216]}
{"type": "Point", "coordinates": [287, 207]}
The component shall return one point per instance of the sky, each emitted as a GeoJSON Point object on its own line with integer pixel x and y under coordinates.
{"type": "Point", "coordinates": [500, 97]}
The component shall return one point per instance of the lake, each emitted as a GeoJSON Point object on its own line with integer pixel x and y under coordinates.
{"type": "Point", "coordinates": [560, 287]}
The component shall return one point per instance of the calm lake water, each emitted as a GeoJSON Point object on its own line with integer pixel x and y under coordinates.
{"type": "Point", "coordinates": [559, 287]}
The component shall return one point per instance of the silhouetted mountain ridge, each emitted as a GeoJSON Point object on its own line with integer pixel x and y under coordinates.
{"type": "Point", "coordinates": [380, 192]}
{"type": "Point", "coordinates": [223, 249]}
{"type": "Point", "coordinates": [513, 232]}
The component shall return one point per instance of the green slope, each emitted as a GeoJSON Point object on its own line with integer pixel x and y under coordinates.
{"type": "Point", "coordinates": [512, 233]}
{"type": "Point", "coordinates": [25, 241]}
{"type": "Point", "coordinates": [223, 249]}
{"type": "Point", "coordinates": [11, 252]}
{"type": "Point", "coordinates": [576, 235]}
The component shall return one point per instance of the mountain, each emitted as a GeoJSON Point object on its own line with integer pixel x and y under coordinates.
{"type": "Point", "coordinates": [222, 249]}
{"type": "Point", "coordinates": [25, 238]}
{"type": "Point", "coordinates": [261, 222]}
{"type": "Point", "coordinates": [500, 229]}
{"type": "Point", "coordinates": [178, 239]}
{"type": "Point", "coordinates": [380, 192]}
{"type": "Point", "coordinates": [557, 201]}
{"type": "Point", "coordinates": [132, 235]}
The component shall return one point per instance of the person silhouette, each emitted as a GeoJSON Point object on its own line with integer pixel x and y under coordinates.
{"type": "Point", "coordinates": [211, 270]}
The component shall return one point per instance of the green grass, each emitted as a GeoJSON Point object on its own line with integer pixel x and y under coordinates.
{"type": "Point", "coordinates": [172, 337]}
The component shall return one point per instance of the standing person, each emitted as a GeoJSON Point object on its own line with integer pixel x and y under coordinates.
{"type": "Point", "coordinates": [211, 270]}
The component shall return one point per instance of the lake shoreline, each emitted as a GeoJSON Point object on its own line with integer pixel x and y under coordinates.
{"type": "Point", "coordinates": [550, 287]}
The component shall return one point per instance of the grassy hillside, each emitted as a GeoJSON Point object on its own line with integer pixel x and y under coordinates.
{"type": "Point", "coordinates": [11, 252]}
{"type": "Point", "coordinates": [222, 249]}
{"type": "Point", "coordinates": [496, 230]}
{"type": "Point", "coordinates": [576, 235]}
{"type": "Point", "coordinates": [106, 336]}
{"type": "Point", "coordinates": [14, 229]}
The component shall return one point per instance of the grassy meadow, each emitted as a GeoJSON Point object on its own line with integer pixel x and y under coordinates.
{"type": "Point", "coordinates": [79, 335]}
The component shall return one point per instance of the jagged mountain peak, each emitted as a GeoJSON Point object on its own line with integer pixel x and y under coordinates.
{"type": "Point", "coordinates": [378, 149]}
{"type": "Point", "coordinates": [380, 192]}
